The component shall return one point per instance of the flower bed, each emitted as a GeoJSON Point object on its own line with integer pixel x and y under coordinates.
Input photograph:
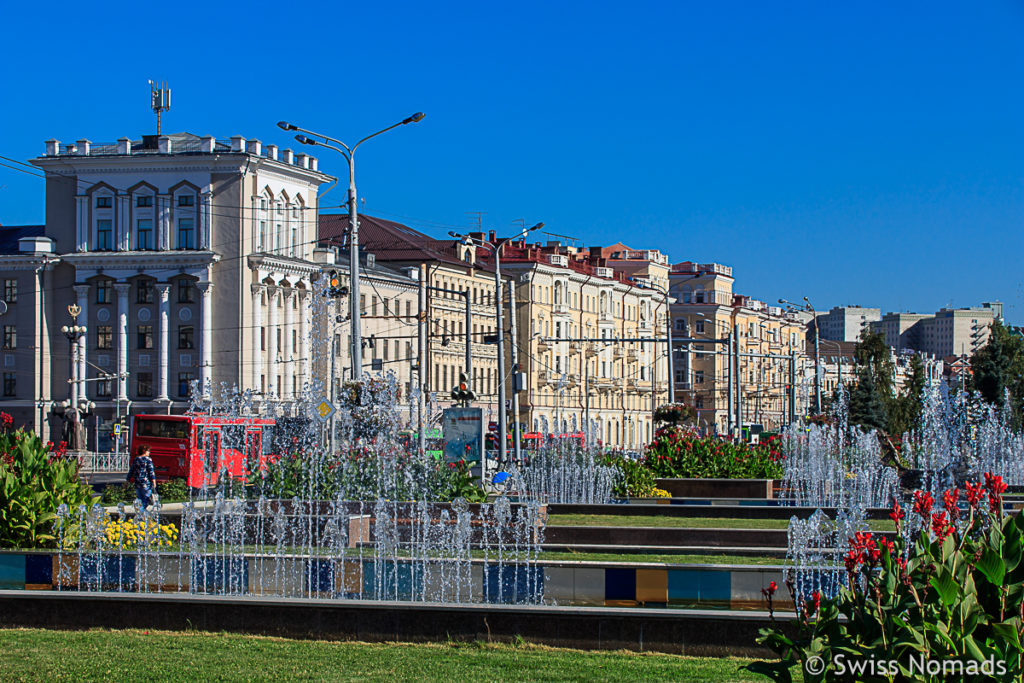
{"type": "Point", "coordinates": [682, 453]}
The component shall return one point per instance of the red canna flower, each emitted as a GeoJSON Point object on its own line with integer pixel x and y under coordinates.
{"type": "Point", "coordinates": [897, 513]}
{"type": "Point", "coordinates": [975, 492]}
{"type": "Point", "coordinates": [923, 501]}
{"type": "Point", "coordinates": [949, 501]}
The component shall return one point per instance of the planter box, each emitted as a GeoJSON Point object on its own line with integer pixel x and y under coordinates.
{"type": "Point", "coordinates": [718, 488]}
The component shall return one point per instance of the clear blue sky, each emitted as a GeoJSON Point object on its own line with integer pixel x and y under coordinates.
{"type": "Point", "coordinates": [865, 153]}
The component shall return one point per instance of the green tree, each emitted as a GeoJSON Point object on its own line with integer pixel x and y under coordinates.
{"type": "Point", "coordinates": [905, 410]}
{"type": "Point", "coordinates": [867, 403]}
{"type": "Point", "coordinates": [998, 367]}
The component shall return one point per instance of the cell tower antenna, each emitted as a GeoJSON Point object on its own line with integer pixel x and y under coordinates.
{"type": "Point", "coordinates": [160, 101]}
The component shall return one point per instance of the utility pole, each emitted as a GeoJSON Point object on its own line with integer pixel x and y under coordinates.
{"type": "Point", "coordinates": [792, 386]}
{"type": "Point", "coordinates": [739, 381]}
{"type": "Point", "coordinates": [729, 371]}
{"type": "Point", "coordinates": [421, 362]}
{"type": "Point", "coordinates": [513, 316]}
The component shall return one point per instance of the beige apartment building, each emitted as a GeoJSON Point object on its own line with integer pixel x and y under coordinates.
{"type": "Point", "coordinates": [448, 268]}
{"type": "Point", "coordinates": [947, 332]}
{"type": "Point", "coordinates": [771, 345]}
{"type": "Point", "coordinates": [577, 316]}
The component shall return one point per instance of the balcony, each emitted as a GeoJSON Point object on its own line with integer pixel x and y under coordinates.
{"type": "Point", "coordinates": [574, 346]}
{"type": "Point", "coordinates": [605, 318]}
{"type": "Point", "coordinates": [618, 352]}
{"type": "Point", "coordinates": [561, 309]}
{"type": "Point", "coordinates": [631, 354]}
{"type": "Point", "coordinates": [590, 350]}
{"type": "Point", "coordinates": [543, 345]}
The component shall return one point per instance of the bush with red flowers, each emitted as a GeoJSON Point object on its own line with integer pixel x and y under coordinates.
{"type": "Point", "coordinates": [677, 452]}
{"type": "Point", "coordinates": [952, 592]}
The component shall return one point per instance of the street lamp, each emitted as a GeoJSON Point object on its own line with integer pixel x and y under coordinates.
{"type": "Point", "coordinates": [353, 223]}
{"type": "Point", "coordinates": [643, 284]}
{"type": "Point", "coordinates": [496, 247]}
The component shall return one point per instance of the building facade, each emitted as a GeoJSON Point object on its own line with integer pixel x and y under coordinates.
{"type": "Point", "coordinates": [947, 332]}
{"type": "Point", "coordinates": [846, 323]}
{"type": "Point", "coordinates": [191, 263]}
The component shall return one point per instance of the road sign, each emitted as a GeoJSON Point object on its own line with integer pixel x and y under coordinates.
{"type": "Point", "coordinates": [324, 410]}
{"type": "Point", "coordinates": [117, 430]}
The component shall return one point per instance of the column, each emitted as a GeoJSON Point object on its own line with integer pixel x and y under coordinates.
{"type": "Point", "coordinates": [83, 303]}
{"type": "Point", "coordinates": [121, 226]}
{"type": "Point", "coordinates": [288, 353]}
{"type": "Point", "coordinates": [257, 334]}
{"type": "Point", "coordinates": [272, 365]}
{"type": "Point", "coordinates": [122, 340]}
{"type": "Point", "coordinates": [205, 220]}
{"type": "Point", "coordinates": [163, 222]}
{"type": "Point", "coordinates": [162, 349]}
{"type": "Point", "coordinates": [305, 363]}
{"type": "Point", "coordinates": [206, 335]}
{"type": "Point", "coordinates": [82, 223]}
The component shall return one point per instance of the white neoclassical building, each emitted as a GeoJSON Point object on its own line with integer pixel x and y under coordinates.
{"type": "Point", "coordinates": [189, 258]}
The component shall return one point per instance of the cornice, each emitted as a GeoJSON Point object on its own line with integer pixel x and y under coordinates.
{"type": "Point", "coordinates": [141, 259]}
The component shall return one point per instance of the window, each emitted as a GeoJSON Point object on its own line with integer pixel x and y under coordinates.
{"type": "Point", "coordinates": [104, 292]}
{"type": "Point", "coordinates": [11, 291]}
{"type": "Point", "coordinates": [185, 380]}
{"type": "Point", "coordinates": [10, 384]}
{"type": "Point", "coordinates": [698, 377]}
{"type": "Point", "coordinates": [145, 336]}
{"type": "Point", "coordinates": [186, 200]}
{"type": "Point", "coordinates": [144, 200]}
{"type": "Point", "coordinates": [104, 387]}
{"type": "Point", "coordinates": [699, 326]}
{"type": "Point", "coordinates": [186, 233]}
{"type": "Point", "coordinates": [144, 384]}
{"type": "Point", "coordinates": [104, 337]}
{"type": "Point", "coordinates": [10, 337]}
{"type": "Point", "coordinates": [262, 237]}
{"type": "Point", "coordinates": [104, 234]}
{"type": "Point", "coordinates": [186, 337]}
{"type": "Point", "coordinates": [144, 233]}
{"type": "Point", "coordinates": [104, 202]}
{"type": "Point", "coordinates": [186, 292]}
{"type": "Point", "coordinates": [144, 292]}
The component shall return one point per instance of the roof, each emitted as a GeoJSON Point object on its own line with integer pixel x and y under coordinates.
{"type": "Point", "coordinates": [10, 234]}
{"type": "Point", "coordinates": [390, 241]}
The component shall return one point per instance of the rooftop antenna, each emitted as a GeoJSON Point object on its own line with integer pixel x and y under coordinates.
{"type": "Point", "coordinates": [160, 98]}
{"type": "Point", "coordinates": [479, 219]}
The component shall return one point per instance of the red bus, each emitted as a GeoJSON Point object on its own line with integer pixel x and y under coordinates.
{"type": "Point", "coordinates": [199, 448]}
{"type": "Point", "coordinates": [532, 441]}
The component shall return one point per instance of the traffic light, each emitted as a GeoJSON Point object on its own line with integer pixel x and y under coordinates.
{"type": "Point", "coordinates": [462, 392]}
{"type": "Point", "coordinates": [334, 286]}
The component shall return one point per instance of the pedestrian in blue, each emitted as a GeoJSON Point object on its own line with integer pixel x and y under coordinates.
{"type": "Point", "coordinates": [142, 474]}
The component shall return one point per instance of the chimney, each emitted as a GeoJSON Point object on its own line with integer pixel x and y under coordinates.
{"type": "Point", "coordinates": [313, 163]}
{"type": "Point", "coordinates": [272, 152]}
{"type": "Point", "coordinates": [287, 156]}
{"type": "Point", "coordinates": [208, 144]}
{"type": "Point", "coordinates": [302, 160]}
{"type": "Point", "coordinates": [124, 146]}
{"type": "Point", "coordinates": [594, 255]}
{"type": "Point", "coordinates": [52, 147]}
{"type": "Point", "coordinates": [491, 237]}
{"type": "Point", "coordinates": [83, 147]}
{"type": "Point", "coordinates": [163, 144]}
{"type": "Point", "coordinates": [254, 147]}
{"type": "Point", "coordinates": [237, 143]}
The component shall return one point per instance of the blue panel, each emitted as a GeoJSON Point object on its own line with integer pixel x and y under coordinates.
{"type": "Point", "coordinates": [12, 572]}
{"type": "Point", "coordinates": [221, 575]}
{"type": "Point", "coordinates": [39, 569]}
{"type": "Point", "coordinates": [620, 584]}
{"type": "Point", "coordinates": [397, 581]}
{"type": "Point", "coordinates": [320, 576]}
{"type": "Point", "coordinates": [106, 572]}
{"type": "Point", "coordinates": [683, 585]}
{"type": "Point", "coordinates": [715, 586]}
{"type": "Point", "coordinates": [513, 584]}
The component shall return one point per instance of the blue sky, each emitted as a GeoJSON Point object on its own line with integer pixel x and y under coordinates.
{"type": "Point", "coordinates": [854, 153]}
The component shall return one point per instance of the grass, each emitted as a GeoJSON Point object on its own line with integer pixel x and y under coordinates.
{"type": "Point", "coordinates": [661, 558]}
{"type": "Point", "coordinates": [664, 521]}
{"type": "Point", "coordinates": [103, 655]}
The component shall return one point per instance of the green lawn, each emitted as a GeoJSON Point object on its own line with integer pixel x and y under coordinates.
{"type": "Point", "coordinates": [101, 655]}
{"type": "Point", "coordinates": [670, 558]}
{"type": "Point", "coordinates": [665, 521]}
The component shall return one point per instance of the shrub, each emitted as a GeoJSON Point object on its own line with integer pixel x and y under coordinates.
{"type": "Point", "coordinates": [636, 480]}
{"type": "Point", "coordinates": [117, 493]}
{"type": "Point", "coordinates": [677, 452]}
{"type": "Point", "coordinates": [129, 534]}
{"type": "Point", "coordinates": [675, 413]}
{"type": "Point", "coordinates": [35, 481]}
{"type": "Point", "coordinates": [954, 595]}
{"type": "Point", "coordinates": [173, 491]}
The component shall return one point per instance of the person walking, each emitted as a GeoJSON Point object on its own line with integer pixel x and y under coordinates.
{"type": "Point", "coordinates": [142, 474]}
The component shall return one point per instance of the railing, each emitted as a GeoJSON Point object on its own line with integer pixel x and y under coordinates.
{"type": "Point", "coordinates": [90, 462]}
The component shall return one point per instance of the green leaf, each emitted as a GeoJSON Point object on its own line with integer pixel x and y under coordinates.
{"type": "Point", "coordinates": [777, 671]}
{"type": "Point", "coordinates": [1008, 631]}
{"type": "Point", "coordinates": [991, 565]}
{"type": "Point", "coordinates": [946, 587]}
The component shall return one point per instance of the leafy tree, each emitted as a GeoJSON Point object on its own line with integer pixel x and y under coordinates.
{"type": "Point", "coordinates": [905, 410]}
{"type": "Point", "coordinates": [998, 367]}
{"type": "Point", "coordinates": [874, 353]}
